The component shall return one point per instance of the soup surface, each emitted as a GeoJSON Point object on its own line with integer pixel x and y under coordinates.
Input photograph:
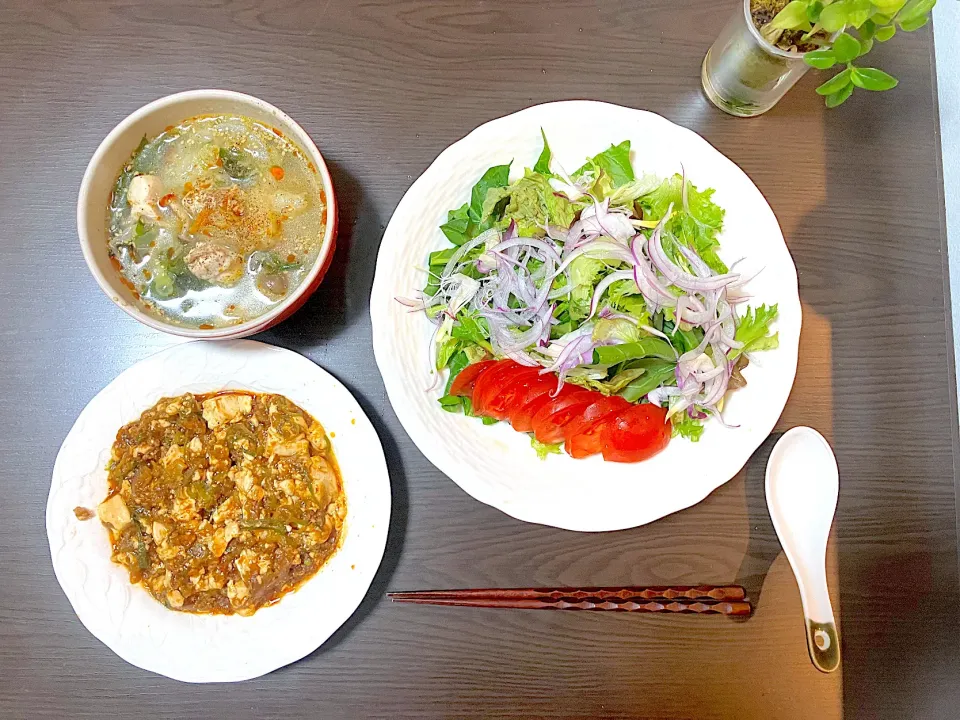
{"type": "Point", "coordinates": [222, 503]}
{"type": "Point", "coordinates": [215, 221]}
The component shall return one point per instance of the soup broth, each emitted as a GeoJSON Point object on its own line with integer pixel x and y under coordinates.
{"type": "Point", "coordinates": [215, 221]}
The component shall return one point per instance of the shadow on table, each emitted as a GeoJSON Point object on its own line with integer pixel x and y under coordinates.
{"type": "Point", "coordinates": [339, 300]}
{"type": "Point", "coordinates": [343, 292]}
{"type": "Point", "coordinates": [399, 497]}
{"type": "Point", "coordinates": [875, 275]}
{"type": "Point", "coordinates": [762, 545]}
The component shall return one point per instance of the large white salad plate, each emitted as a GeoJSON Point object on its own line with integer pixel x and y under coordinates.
{"type": "Point", "coordinates": [495, 464]}
{"type": "Point", "coordinates": [215, 648]}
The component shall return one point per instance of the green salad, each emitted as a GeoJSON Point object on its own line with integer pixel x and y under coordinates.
{"type": "Point", "coordinates": [610, 281]}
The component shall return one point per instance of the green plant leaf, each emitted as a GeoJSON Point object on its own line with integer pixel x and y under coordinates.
{"type": "Point", "coordinates": [646, 347]}
{"type": "Point", "coordinates": [839, 97]}
{"type": "Point", "coordinates": [838, 15]}
{"type": "Point", "coordinates": [543, 449]}
{"type": "Point", "coordinates": [914, 10]}
{"type": "Point", "coordinates": [754, 331]}
{"type": "Point", "coordinates": [820, 59]}
{"type": "Point", "coordinates": [872, 79]}
{"type": "Point", "coordinates": [457, 224]}
{"type": "Point", "coordinates": [792, 17]}
{"type": "Point", "coordinates": [836, 83]}
{"type": "Point", "coordinates": [846, 47]}
{"type": "Point", "coordinates": [867, 30]}
{"type": "Point", "coordinates": [497, 176]}
{"type": "Point", "coordinates": [888, 7]}
{"type": "Point", "coordinates": [914, 24]}
{"type": "Point", "coordinates": [614, 162]}
{"type": "Point", "coordinates": [543, 162]}
{"type": "Point", "coordinates": [886, 32]}
{"type": "Point", "coordinates": [865, 47]}
{"type": "Point", "coordinates": [813, 11]}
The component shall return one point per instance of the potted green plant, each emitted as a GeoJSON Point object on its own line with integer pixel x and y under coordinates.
{"type": "Point", "coordinates": [769, 44]}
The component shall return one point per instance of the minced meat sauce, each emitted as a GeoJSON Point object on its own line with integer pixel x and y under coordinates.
{"type": "Point", "coordinates": [222, 503]}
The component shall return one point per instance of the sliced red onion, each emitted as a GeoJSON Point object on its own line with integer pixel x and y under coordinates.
{"type": "Point", "coordinates": [600, 250]}
{"type": "Point", "coordinates": [599, 218]}
{"type": "Point", "coordinates": [683, 280]}
{"type": "Point", "coordinates": [696, 262]}
{"type": "Point", "coordinates": [658, 395]}
{"type": "Point", "coordinates": [650, 286]}
{"type": "Point", "coordinates": [411, 303]}
{"type": "Point", "coordinates": [609, 314]}
{"type": "Point", "coordinates": [442, 326]}
{"type": "Point", "coordinates": [544, 247]}
{"type": "Point", "coordinates": [604, 284]}
{"type": "Point", "coordinates": [693, 311]}
{"type": "Point", "coordinates": [716, 413]}
{"type": "Point", "coordinates": [658, 333]}
{"type": "Point", "coordinates": [465, 248]}
{"type": "Point", "coordinates": [571, 356]}
{"type": "Point", "coordinates": [518, 356]}
{"type": "Point", "coordinates": [466, 288]}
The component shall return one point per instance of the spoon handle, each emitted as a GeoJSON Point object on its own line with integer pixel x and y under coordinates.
{"type": "Point", "coordinates": [824, 645]}
{"type": "Point", "coordinates": [823, 641]}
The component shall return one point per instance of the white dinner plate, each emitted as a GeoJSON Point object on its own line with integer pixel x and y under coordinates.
{"type": "Point", "coordinates": [495, 464]}
{"type": "Point", "coordinates": [215, 648]}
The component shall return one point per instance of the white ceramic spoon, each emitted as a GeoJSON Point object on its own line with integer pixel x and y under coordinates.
{"type": "Point", "coordinates": [802, 485]}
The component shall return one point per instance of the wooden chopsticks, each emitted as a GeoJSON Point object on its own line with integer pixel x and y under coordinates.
{"type": "Point", "coordinates": [700, 599]}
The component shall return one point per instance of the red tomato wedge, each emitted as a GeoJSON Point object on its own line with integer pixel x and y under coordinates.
{"type": "Point", "coordinates": [636, 433]}
{"type": "Point", "coordinates": [489, 382]}
{"type": "Point", "coordinates": [549, 421]}
{"type": "Point", "coordinates": [584, 437]}
{"type": "Point", "coordinates": [463, 383]}
{"type": "Point", "coordinates": [537, 396]}
{"type": "Point", "coordinates": [504, 401]}
{"type": "Point", "coordinates": [586, 421]}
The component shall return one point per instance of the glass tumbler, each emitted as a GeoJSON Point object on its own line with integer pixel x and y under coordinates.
{"type": "Point", "coordinates": [743, 74]}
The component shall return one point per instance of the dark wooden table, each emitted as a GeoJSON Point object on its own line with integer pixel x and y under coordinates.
{"type": "Point", "coordinates": [383, 87]}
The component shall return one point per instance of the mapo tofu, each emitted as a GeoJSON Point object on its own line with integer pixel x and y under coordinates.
{"type": "Point", "coordinates": [223, 503]}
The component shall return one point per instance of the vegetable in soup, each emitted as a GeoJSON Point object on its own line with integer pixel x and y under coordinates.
{"type": "Point", "coordinates": [215, 221]}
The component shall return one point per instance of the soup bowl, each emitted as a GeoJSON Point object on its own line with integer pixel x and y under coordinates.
{"type": "Point", "coordinates": [114, 152]}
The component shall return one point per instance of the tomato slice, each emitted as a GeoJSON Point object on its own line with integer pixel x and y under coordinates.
{"type": "Point", "coordinates": [463, 383]}
{"type": "Point", "coordinates": [548, 422]}
{"type": "Point", "coordinates": [636, 433]}
{"type": "Point", "coordinates": [584, 437]}
{"type": "Point", "coordinates": [536, 397]}
{"type": "Point", "coordinates": [489, 383]}
{"type": "Point", "coordinates": [504, 401]}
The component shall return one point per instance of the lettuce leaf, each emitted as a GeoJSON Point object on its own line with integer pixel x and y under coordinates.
{"type": "Point", "coordinates": [626, 194]}
{"type": "Point", "coordinates": [543, 162]}
{"type": "Point", "coordinates": [698, 228]}
{"type": "Point", "coordinates": [624, 296]}
{"type": "Point", "coordinates": [531, 203]}
{"type": "Point", "coordinates": [646, 347]}
{"type": "Point", "coordinates": [686, 426]}
{"type": "Point", "coordinates": [656, 372]}
{"type": "Point", "coordinates": [495, 177]}
{"type": "Point", "coordinates": [614, 162]}
{"type": "Point", "coordinates": [544, 449]}
{"type": "Point", "coordinates": [457, 224]}
{"type": "Point", "coordinates": [753, 331]}
{"type": "Point", "coordinates": [616, 329]}
{"type": "Point", "coordinates": [584, 273]}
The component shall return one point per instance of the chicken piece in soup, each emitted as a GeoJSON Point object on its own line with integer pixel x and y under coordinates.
{"type": "Point", "coordinates": [215, 221]}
